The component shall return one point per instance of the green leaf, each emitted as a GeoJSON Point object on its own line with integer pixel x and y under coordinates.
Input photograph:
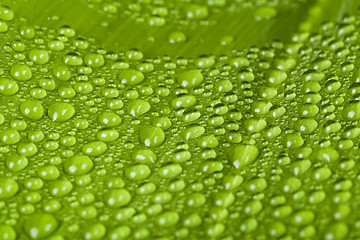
{"type": "Point", "coordinates": [154, 119]}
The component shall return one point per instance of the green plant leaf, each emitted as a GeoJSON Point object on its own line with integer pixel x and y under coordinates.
{"type": "Point", "coordinates": [214, 119]}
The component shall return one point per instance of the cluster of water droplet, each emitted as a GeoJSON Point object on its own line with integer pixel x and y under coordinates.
{"type": "Point", "coordinates": [256, 144]}
{"type": "Point", "coordinates": [186, 12]}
